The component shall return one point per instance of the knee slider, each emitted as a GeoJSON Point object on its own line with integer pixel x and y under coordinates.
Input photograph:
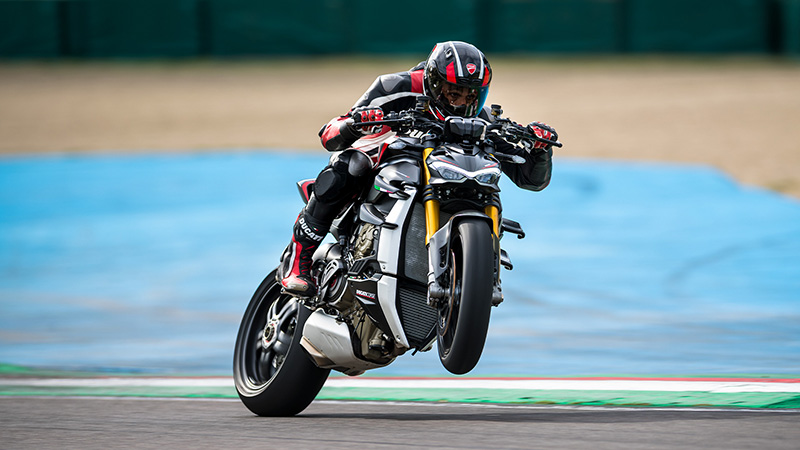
{"type": "Point", "coordinates": [329, 184]}
{"type": "Point", "coordinates": [342, 175]}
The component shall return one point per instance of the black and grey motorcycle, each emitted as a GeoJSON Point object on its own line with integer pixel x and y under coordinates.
{"type": "Point", "coordinates": [416, 260]}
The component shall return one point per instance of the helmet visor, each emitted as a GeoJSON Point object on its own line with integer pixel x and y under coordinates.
{"type": "Point", "coordinates": [459, 100]}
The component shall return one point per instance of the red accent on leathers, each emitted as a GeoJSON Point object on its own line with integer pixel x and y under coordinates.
{"type": "Point", "coordinates": [332, 130]}
{"type": "Point", "coordinates": [298, 280]}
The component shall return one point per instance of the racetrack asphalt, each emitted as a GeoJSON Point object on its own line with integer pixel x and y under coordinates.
{"type": "Point", "coordinates": [121, 423]}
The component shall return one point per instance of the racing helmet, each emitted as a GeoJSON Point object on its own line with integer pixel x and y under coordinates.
{"type": "Point", "coordinates": [460, 66]}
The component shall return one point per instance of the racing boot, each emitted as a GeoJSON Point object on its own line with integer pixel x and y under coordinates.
{"type": "Point", "coordinates": [295, 273]}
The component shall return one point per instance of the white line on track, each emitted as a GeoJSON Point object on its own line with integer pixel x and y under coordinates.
{"type": "Point", "coordinates": [577, 384]}
{"type": "Point", "coordinates": [119, 382]}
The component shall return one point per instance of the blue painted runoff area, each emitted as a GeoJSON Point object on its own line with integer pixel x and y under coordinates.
{"type": "Point", "coordinates": [146, 263]}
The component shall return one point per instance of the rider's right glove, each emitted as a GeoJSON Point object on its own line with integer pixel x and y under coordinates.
{"type": "Point", "coordinates": [544, 131]}
{"type": "Point", "coordinates": [364, 114]}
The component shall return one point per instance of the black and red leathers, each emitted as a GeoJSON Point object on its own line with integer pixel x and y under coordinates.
{"type": "Point", "coordinates": [398, 92]}
{"type": "Point", "coordinates": [356, 153]}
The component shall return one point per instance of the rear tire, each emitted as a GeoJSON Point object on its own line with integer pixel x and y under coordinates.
{"type": "Point", "coordinates": [464, 318]}
{"type": "Point", "coordinates": [273, 374]}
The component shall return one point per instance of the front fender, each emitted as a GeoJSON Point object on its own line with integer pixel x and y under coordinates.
{"type": "Point", "coordinates": [439, 244]}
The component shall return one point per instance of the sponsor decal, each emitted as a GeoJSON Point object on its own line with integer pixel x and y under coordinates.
{"type": "Point", "coordinates": [308, 231]}
{"type": "Point", "coordinates": [365, 294]}
{"type": "Point", "coordinates": [471, 68]}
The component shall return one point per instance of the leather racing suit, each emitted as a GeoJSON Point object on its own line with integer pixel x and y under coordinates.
{"type": "Point", "coordinates": [354, 156]}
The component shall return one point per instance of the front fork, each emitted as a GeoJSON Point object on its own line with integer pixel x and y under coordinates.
{"type": "Point", "coordinates": [432, 225]}
{"type": "Point", "coordinates": [430, 202]}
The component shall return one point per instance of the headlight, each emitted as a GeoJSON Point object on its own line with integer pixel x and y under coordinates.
{"type": "Point", "coordinates": [449, 174]}
{"type": "Point", "coordinates": [452, 173]}
{"type": "Point", "coordinates": [488, 178]}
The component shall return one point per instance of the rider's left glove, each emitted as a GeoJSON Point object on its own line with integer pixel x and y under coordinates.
{"type": "Point", "coordinates": [365, 114]}
{"type": "Point", "coordinates": [503, 146]}
{"type": "Point", "coordinates": [543, 131]}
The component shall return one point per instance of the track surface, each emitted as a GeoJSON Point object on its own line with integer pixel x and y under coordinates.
{"type": "Point", "coordinates": [105, 423]}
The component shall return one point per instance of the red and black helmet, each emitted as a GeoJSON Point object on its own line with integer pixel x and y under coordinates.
{"type": "Point", "coordinates": [460, 64]}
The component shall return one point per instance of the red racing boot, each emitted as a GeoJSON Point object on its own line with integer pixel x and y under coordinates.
{"type": "Point", "coordinates": [295, 267]}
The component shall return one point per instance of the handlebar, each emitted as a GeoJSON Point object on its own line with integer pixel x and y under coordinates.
{"type": "Point", "coordinates": [418, 119]}
{"type": "Point", "coordinates": [407, 120]}
{"type": "Point", "coordinates": [514, 132]}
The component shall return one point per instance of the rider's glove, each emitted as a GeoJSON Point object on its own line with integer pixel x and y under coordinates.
{"type": "Point", "coordinates": [544, 131]}
{"type": "Point", "coordinates": [505, 147]}
{"type": "Point", "coordinates": [364, 114]}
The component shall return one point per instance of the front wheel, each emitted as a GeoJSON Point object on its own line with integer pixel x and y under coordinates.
{"type": "Point", "coordinates": [273, 375]}
{"type": "Point", "coordinates": [464, 318]}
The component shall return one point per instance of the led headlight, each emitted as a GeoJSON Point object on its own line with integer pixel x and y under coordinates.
{"type": "Point", "coordinates": [487, 178]}
{"type": "Point", "coordinates": [454, 173]}
{"type": "Point", "coordinates": [449, 174]}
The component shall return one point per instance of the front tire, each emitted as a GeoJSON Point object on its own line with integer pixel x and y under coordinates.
{"type": "Point", "coordinates": [273, 374]}
{"type": "Point", "coordinates": [464, 318]}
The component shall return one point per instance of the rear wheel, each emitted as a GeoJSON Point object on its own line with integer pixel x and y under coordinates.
{"type": "Point", "coordinates": [464, 317]}
{"type": "Point", "coordinates": [273, 375]}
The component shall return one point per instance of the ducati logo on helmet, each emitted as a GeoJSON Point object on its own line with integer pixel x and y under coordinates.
{"type": "Point", "coordinates": [471, 68]}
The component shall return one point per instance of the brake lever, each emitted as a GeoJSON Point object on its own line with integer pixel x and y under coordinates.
{"type": "Point", "coordinates": [388, 122]}
{"type": "Point", "coordinates": [405, 120]}
{"type": "Point", "coordinates": [548, 141]}
{"type": "Point", "coordinates": [515, 132]}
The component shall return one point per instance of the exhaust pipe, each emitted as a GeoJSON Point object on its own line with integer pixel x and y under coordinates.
{"type": "Point", "coordinates": [330, 346]}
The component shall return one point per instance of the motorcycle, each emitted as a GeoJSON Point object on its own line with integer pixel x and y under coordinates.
{"type": "Point", "coordinates": [416, 260]}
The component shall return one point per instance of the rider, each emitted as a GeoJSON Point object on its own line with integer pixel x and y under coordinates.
{"type": "Point", "coordinates": [456, 76]}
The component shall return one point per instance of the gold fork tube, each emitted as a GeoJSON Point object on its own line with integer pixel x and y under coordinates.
{"type": "Point", "coordinates": [431, 206]}
{"type": "Point", "coordinates": [431, 219]}
{"type": "Point", "coordinates": [494, 213]}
